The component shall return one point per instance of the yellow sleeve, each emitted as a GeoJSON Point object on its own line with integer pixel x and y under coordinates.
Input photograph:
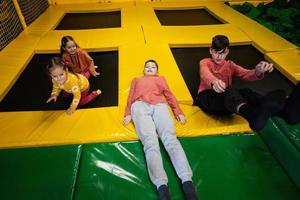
{"type": "Point", "coordinates": [55, 90]}
{"type": "Point", "coordinates": [76, 96]}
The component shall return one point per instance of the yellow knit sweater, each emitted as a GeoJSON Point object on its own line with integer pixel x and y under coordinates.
{"type": "Point", "coordinates": [74, 84]}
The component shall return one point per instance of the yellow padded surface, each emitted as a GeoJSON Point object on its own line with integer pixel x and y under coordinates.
{"type": "Point", "coordinates": [140, 38]}
{"type": "Point", "coordinates": [288, 62]}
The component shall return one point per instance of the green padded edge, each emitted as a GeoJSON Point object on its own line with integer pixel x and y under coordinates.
{"type": "Point", "coordinates": [283, 149]}
{"type": "Point", "coordinates": [47, 173]}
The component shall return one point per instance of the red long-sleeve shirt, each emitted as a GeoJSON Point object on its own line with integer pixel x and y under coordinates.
{"type": "Point", "coordinates": [152, 90]}
{"type": "Point", "coordinates": [210, 71]}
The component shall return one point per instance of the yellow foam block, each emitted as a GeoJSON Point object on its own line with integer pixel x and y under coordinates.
{"type": "Point", "coordinates": [195, 36]}
{"type": "Point", "coordinates": [287, 62]}
{"type": "Point", "coordinates": [86, 39]}
{"type": "Point", "coordinates": [55, 127]}
{"type": "Point", "coordinates": [47, 21]}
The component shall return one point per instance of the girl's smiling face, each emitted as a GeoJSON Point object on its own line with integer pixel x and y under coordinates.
{"type": "Point", "coordinates": [58, 74]}
{"type": "Point", "coordinates": [70, 47]}
{"type": "Point", "coordinates": [150, 69]}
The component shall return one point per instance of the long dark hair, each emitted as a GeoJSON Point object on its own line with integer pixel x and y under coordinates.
{"type": "Point", "coordinates": [64, 41]}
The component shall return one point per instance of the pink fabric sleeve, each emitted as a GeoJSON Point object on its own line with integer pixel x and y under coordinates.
{"type": "Point", "coordinates": [205, 74]}
{"type": "Point", "coordinates": [245, 74]}
{"type": "Point", "coordinates": [129, 99]}
{"type": "Point", "coordinates": [170, 98]}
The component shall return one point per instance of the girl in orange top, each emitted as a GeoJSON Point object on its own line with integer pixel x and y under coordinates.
{"type": "Point", "coordinates": [76, 58]}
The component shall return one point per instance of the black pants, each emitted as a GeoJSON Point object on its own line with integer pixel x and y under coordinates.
{"type": "Point", "coordinates": [225, 103]}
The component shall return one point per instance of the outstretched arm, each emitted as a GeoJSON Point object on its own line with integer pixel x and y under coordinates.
{"type": "Point", "coordinates": [263, 67]}
{"type": "Point", "coordinates": [127, 115]}
{"type": "Point", "coordinates": [172, 101]}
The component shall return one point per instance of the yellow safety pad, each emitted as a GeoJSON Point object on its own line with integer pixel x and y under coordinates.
{"type": "Point", "coordinates": [13, 59]}
{"type": "Point", "coordinates": [44, 128]}
{"type": "Point", "coordinates": [139, 38]}
{"type": "Point", "coordinates": [287, 62]}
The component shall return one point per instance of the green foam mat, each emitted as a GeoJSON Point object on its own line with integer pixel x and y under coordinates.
{"type": "Point", "coordinates": [232, 167]}
{"type": "Point", "coordinates": [291, 131]}
{"type": "Point", "coordinates": [47, 173]}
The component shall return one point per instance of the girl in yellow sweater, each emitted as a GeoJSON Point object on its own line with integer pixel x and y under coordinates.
{"type": "Point", "coordinates": [70, 82]}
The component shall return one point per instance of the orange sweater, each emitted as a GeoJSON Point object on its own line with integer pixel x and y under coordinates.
{"type": "Point", "coordinates": [152, 90]}
{"type": "Point", "coordinates": [79, 62]}
{"type": "Point", "coordinates": [210, 71]}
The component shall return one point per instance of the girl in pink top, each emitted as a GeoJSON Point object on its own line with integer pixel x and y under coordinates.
{"type": "Point", "coordinates": [217, 96]}
{"type": "Point", "coordinates": [76, 58]}
{"type": "Point", "coordinates": [147, 107]}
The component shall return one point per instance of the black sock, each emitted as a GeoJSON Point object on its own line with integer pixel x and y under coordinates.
{"type": "Point", "coordinates": [256, 117]}
{"type": "Point", "coordinates": [163, 193]}
{"type": "Point", "coordinates": [189, 191]}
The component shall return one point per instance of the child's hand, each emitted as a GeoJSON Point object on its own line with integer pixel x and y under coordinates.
{"type": "Point", "coordinates": [95, 73]}
{"type": "Point", "coordinates": [181, 119]}
{"type": "Point", "coordinates": [52, 98]}
{"type": "Point", "coordinates": [263, 67]}
{"type": "Point", "coordinates": [218, 86]}
{"type": "Point", "coordinates": [70, 111]}
{"type": "Point", "coordinates": [126, 120]}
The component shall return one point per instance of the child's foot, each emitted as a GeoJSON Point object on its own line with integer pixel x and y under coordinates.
{"type": "Point", "coordinates": [163, 193]}
{"type": "Point", "coordinates": [189, 191]}
{"type": "Point", "coordinates": [258, 115]}
{"type": "Point", "coordinates": [97, 92]}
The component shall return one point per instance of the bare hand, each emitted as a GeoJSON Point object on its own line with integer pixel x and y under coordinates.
{"type": "Point", "coordinates": [95, 74]}
{"type": "Point", "coordinates": [263, 67]}
{"type": "Point", "coordinates": [218, 86]}
{"type": "Point", "coordinates": [181, 119]}
{"type": "Point", "coordinates": [127, 120]}
{"type": "Point", "coordinates": [70, 111]}
{"type": "Point", "coordinates": [52, 98]}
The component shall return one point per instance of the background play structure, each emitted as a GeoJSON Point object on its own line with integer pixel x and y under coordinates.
{"type": "Point", "coordinates": [46, 154]}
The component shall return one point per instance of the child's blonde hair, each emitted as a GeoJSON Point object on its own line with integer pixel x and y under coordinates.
{"type": "Point", "coordinates": [58, 62]}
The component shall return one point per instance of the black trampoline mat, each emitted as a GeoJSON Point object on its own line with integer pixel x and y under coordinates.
{"type": "Point", "coordinates": [185, 17]}
{"type": "Point", "coordinates": [247, 56]}
{"type": "Point", "coordinates": [75, 21]}
{"type": "Point", "coordinates": [34, 86]}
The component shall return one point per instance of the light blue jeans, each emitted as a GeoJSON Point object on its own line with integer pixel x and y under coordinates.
{"type": "Point", "coordinates": [150, 122]}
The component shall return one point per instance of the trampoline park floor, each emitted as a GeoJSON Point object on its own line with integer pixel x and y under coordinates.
{"type": "Point", "coordinates": [46, 154]}
{"type": "Point", "coordinates": [231, 167]}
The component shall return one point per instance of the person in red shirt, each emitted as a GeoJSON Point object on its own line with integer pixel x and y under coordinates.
{"type": "Point", "coordinates": [147, 108]}
{"type": "Point", "coordinates": [217, 96]}
{"type": "Point", "coordinates": [76, 58]}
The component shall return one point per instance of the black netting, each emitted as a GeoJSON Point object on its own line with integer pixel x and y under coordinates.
{"type": "Point", "coordinates": [32, 9]}
{"type": "Point", "coordinates": [10, 25]}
